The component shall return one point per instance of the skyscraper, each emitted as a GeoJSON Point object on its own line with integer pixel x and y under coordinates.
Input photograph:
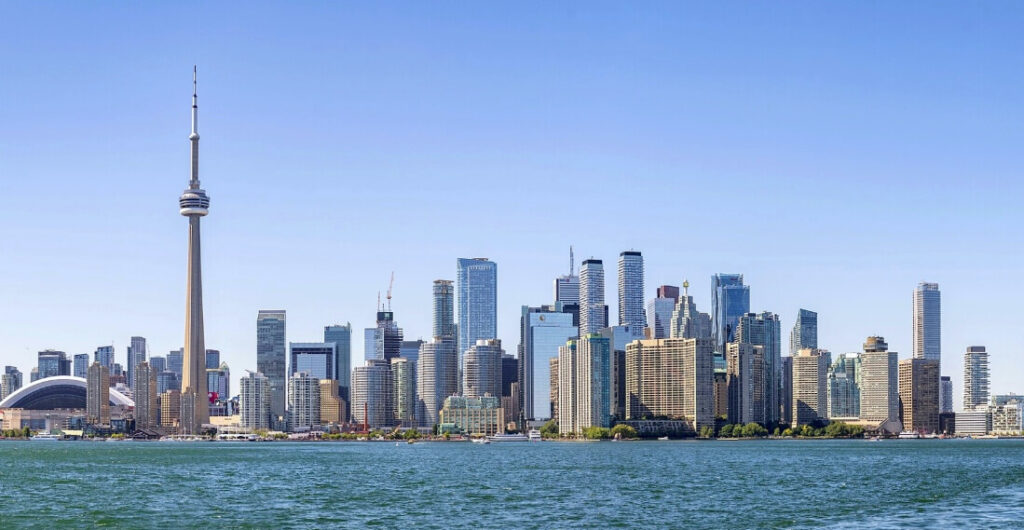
{"type": "Point", "coordinates": [763, 329]}
{"type": "Point", "coordinates": [805, 331]}
{"type": "Point", "coordinates": [945, 395]}
{"type": "Point", "coordinates": [919, 394]}
{"type": "Point", "coordinates": [315, 358]}
{"type": "Point", "coordinates": [687, 322]}
{"type": "Point", "coordinates": [482, 372]}
{"type": "Point", "coordinates": [810, 386]}
{"type": "Point", "coordinates": [928, 322]}
{"type": "Point", "coordinates": [81, 367]}
{"type": "Point", "coordinates": [136, 356]}
{"type": "Point", "coordinates": [387, 338]}
{"type": "Point", "coordinates": [373, 394]}
{"type": "Point", "coordinates": [341, 336]}
{"type": "Point", "coordinates": [567, 288]}
{"type": "Point", "coordinates": [437, 373]}
{"type": "Point", "coordinates": [97, 395]}
{"type": "Point", "coordinates": [593, 311]}
{"type": "Point", "coordinates": [879, 382]}
{"type": "Point", "coordinates": [671, 377]}
{"type": "Point", "coordinates": [271, 359]}
{"type": "Point", "coordinates": [542, 331]}
{"type": "Point", "coordinates": [10, 381]}
{"type": "Point", "coordinates": [659, 311]}
{"type": "Point", "coordinates": [53, 363]}
{"type": "Point", "coordinates": [745, 376]}
{"type": "Point", "coordinates": [476, 297]}
{"type": "Point", "coordinates": [254, 401]}
{"type": "Point", "coordinates": [976, 378]}
{"type": "Point", "coordinates": [444, 309]}
{"type": "Point", "coordinates": [195, 409]}
{"type": "Point", "coordinates": [175, 362]}
{"type": "Point", "coordinates": [844, 386]}
{"type": "Point", "coordinates": [631, 289]}
{"type": "Point", "coordinates": [303, 402]}
{"type": "Point", "coordinates": [730, 300]}
{"type": "Point", "coordinates": [212, 359]}
{"type": "Point", "coordinates": [144, 392]}
{"type": "Point", "coordinates": [105, 356]}
{"type": "Point", "coordinates": [403, 382]}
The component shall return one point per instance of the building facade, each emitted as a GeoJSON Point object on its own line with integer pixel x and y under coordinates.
{"type": "Point", "coordinates": [879, 382]}
{"type": "Point", "coordinates": [844, 386]}
{"type": "Point", "coordinates": [730, 300]}
{"type": "Point", "coordinates": [482, 375]}
{"type": "Point", "coordinates": [671, 378]}
{"type": "Point", "coordinates": [476, 300]}
{"type": "Point", "coordinates": [144, 393]}
{"type": "Point", "coordinates": [271, 357]}
{"type": "Point", "coordinates": [542, 331]}
{"type": "Point", "coordinates": [97, 395]}
{"type": "Point", "coordinates": [593, 311]}
{"type": "Point", "coordinates": [928, 322]}
{"type": "Point", "coordinates": [805, 331]}
{"type": "Point", "coordinates": [473, 416]}
{"type": "Point", "coordinates": [919, 395]}
{"type": "Point", "coordinates": [373, 395]}
{"type": "Point", "coordinates": [976, 378]}
{"type": "Point", "coordinates": [810, 386]}
{"type": "Point", "coordinates": [254, 400]}
{"type": "Point", "coordinates": [631, 289]}
{"type": "Point", "coordinates": [341, 336]}
{"type": "Point", "coordinates": [303, 402]}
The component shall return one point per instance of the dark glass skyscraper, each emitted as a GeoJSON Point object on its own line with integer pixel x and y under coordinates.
{"type": "Point", "coordinates": [341, 336]}
{"type": "Point", "coordinates": [805, 332]}
{"type": "Point", "coordinates": [730, 300]}
{"type": "Point", "coordinates": [271, 358]}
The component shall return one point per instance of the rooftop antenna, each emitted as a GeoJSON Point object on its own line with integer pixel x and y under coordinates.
{"type": "Point", "coordinates": [571, 261]}
{"type": "Point", "coordinates": [686, 288]}
{"type": "Point", "coordinates": [378, 301]}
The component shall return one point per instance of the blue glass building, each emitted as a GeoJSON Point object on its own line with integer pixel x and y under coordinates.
{"type": "Point", "coordinates": [730, 300]}
{"type": "Point", "coordinates": [476, 301]}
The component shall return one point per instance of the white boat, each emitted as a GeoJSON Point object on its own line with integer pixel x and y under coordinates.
{"type": "Point", "coordinates": [663, 438]}
{"type": "Point", "coordinates": [534, 435]}
{"type": "Point", "coordinates": [909, 435]}
{"type": "Point", "coordinates": [508, 438]}
{"type": "Point", "coordinates": [45, 437]}
{"type": "Point", "coordinates": [480, 440]}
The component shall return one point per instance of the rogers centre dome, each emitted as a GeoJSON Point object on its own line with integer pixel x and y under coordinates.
{"type": "Point", "coordinates": [52, 393]}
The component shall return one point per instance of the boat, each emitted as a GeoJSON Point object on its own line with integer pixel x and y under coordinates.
{"type": "Point", "coordinates": [45, 437]}
{"type": "Point", "coordinates": [480, 440]}
{"type": "Point", "coordinates": [508, 438]}
{"type": "Point", "coordinates": [534, 435]}
{"type": "Point", "coordinates": [663, 438]}
{"type": "Point", "coordinates": [873, 439]}
{"type": "Point", "coordinates": [909, 435]}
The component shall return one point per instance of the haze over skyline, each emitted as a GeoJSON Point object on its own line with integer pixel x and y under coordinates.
{"type": "Point", "coordinates": [834, 155]}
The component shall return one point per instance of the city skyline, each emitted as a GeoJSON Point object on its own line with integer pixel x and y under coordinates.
{"type": "Point", "coordinates": [93, 296]}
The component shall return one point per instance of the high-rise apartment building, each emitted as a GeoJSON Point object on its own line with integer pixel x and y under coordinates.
{"type": "Point", "coordinates": [437, 373]}
{"type": "Point", "coordinates": [730, 300]}
{"type": "Point", "coordinates": [976, 378]}
{"type": "Point", "coordinates": [584, 384]}
{"type": "Point", "coordinates": [53, 363]}
{"type": "Point", "coordinates": [144, 394]}
{"type": "Point", "coordinates": [844, 386]}
{"type": "Point", "coordinates": [879, 382]}
{"type": "Point", "coordinates": [945, 395]}
{"type": "Point", "coordinates": [443, 310]}
{"type": "Point", "coordinates": [928, 322]}
{"type": "Point", "coordinates": [763, 329]}
{"type": "Point", "coordinates": [373, 394]}
{"type": "Point", "coordinates": [542, 331]}
{"type": "Point", "coordinates": [919, 395]}
{"type": "Point", "coordinates": [303, 402]}
{"type": "Point", "coordinates": [341, 336]}
{"type": "Point", "coordinates": [97, 395]}
{"type": "Point", "coordinates": [105, 356]}
{"type": "Point", "coordinates": [593, 311]}
{"type": "Point", "coordinates": [673, 378]}
{"type": "Point", "coordinates": [631, 289]}
{"type": "Point", "coordinates": [476, 300]}
{"type": "Point", "coordinates": [254, 401]}
{"type": "Point", "coordinates": [805, 331]}
{"type": "Point", "coordinates": [786, 395]}
{"type": "Point", "coordinates": [271, 358]}
{"type": "Point", "coordinates": [136, 356]}
{"type": "Point", "coordinates": [332, 406]}
{"type": "Point", "coordinates": [810, 386]}
{"type": "Point", "coordinates": [403, 382]}
{"type": "Point", "coordinates": [745, 377]}
{"type": "Point", "coordinates": [482, 371]}
{"type": "Point", "coordinates": [170, 408]}
{"type": "Point", "coordinates": [81, 365]}
{"type": "Point", "coordinates": [619, 337]}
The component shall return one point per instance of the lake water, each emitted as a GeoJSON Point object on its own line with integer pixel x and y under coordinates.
{"type": "Point", "coordinates": [721, 484]}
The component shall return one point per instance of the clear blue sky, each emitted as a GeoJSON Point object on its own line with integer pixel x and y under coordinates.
{"type": "Point", "coordinates": [835, 154]}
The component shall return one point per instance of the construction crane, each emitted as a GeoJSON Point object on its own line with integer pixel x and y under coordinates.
{"type": "Point", "coordinates": [390, 286]}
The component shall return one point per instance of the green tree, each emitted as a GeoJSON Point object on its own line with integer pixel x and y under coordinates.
{"type": "Point", "coordinates": [777, 432]}
{"type": "Point", "coordinates": [411, 434]}
{"type": "Point", "coordinates": [707, 431]}
{"type": "Point", "coordinates": [596, 433]}
{"type": "Point", "coordinates": [726, 431]}
{"type": "Point", "coordinates": [550, 428]}
{"type": "Point", "coordinates": [623, 431]}
{"type": "Point", "coordinates": [753, 430]}
{"type": "Point", "coordinates": [788, 432]}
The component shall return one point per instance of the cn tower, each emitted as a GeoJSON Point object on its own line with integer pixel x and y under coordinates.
{"type": "Point", "coordinates": [195, 405]}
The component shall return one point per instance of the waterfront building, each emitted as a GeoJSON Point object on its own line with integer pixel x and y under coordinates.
{"type": "Point", "coordinates": [373, 394]}
{"type": "Point", "coordinates": [53, 363]}
{"type": "Point", "coordinates": [763, 329]}
{"type": "Point", "coordinates": [476, 300]}
{"type": "Point", "coordinates": [482, 370]}
{"type": "Point", "coordinates": [303, 402]}
{"type": "Point", "coordinates": [659, 311]}
{"type": "Point", "coordinates": [730, 300]}
{"type": "Point", "coordinates": [786, 392]}
{"type": "Point", "coordinates": [805, 331]}
{"type": "Point", "coordinates": [175, 361]}
{"type": "Point", "coordinates": [81, 365]}
{"type": "Point", "coordinates": [170, 408]}
{"type": "Point", "coordinates": [254, 401]}
{"type": "Point", "coordinates": [928, 322]}
{"type": "Point", "coordinates": [315, 358]}
{"type": "Point", "coordinates": [919, 394]}
{"type": "Point", "coordinates": [332, 406]}
{"type": "Point", "coordinates": [555, 385]}
{"type": "Point", "coordinates": [105, 356]}
{"type": "Point", "coordinates": [810, 387]}
{"type": "Point", "coordinates": [945, 395]}
{"type": "Point", "coordinates": [844, 386]}
{"type": "Point", "coordinates": [97, 395]}
{"type": "Point", "coordinates": [542, 331]}
{"type": "Point", "coordinates": [404, 385]}
{"type": "Point", "coordinates": [136, 356]}
{"type": "Point", "coordinates": [879, 382]}
{"type": "Point", "coordinates": [474, 416]}
{"type": "Point", "coordinates": [437, 374]}
{"type": "Point", "coordinates": [271, 357]}
{"type": "Point", "coordinates": [976, 422]}
{"type": "Point", "coordinates": [567, 288]}
{"type": "Point", "coordinates": [619, 337]}
{"type": "Point", "coordinates": [194, 203]}
{"type": "Point", "coordinates": [593, 311]}
{"type": "Point", "coordinates": [976, 378]}
{"type": "Point", "coordinates": [686, 321]}
{"type": "Point", "coordinates": [584, 381]}
{"type": "Point", "coordinates": [673, 378]}
{"type": "Point", "coordinates": [144, 394]}
{"type": "Point", "coordinates": [631, 290]}
{"type": "Point", "coordinates": [1006, 418]}
{"type": "Point", "coordinates": [745, 382]}
{"type": "Point", "coordinates": [341, 336]}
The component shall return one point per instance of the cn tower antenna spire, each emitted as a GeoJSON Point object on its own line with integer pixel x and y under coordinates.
{"type": "Point", "coordinates": [194, 137]}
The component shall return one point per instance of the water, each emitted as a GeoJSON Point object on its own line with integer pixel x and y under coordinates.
{"type": "Point", "coordinates": [743, 484]}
